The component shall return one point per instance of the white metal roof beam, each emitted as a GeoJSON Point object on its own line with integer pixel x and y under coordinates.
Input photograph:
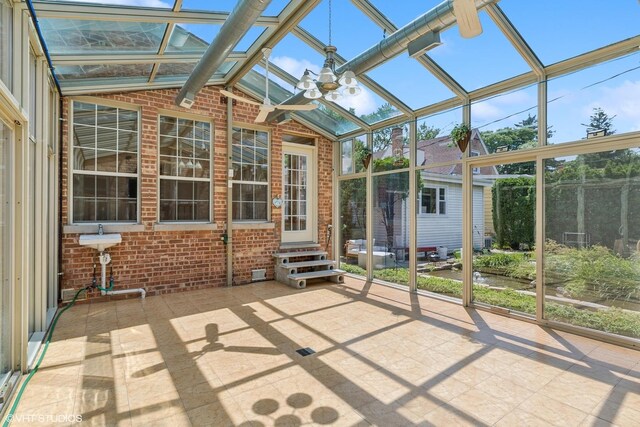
{"type": "Point", "coordinates": [292, 14]}
{"type": "Point", "coordinates": [165, 41]}
{"type": "Point", "coordinates": [593, 57]}
{"type": "Point", "coordinates": [331, 105]}
{"type": "Point", "coordinates": [60, 60]}
{"type": "Point", "coordinates": [515, 38]}
{"type": "Point", "coordinates": [383, 22]}
{"type": "Point", "coordinates": [138, 14]}
{"type": "Point", "coordinates": [316, 44]}
{"type": "Point", "coordinates": [123, 87]}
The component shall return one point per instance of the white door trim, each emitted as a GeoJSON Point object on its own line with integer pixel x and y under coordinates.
{"type": "Point", "coordinates": [312, 194]}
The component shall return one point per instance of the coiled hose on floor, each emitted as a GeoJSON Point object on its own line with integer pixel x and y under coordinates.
{"type": "Point", "coordinates": [16, 402]}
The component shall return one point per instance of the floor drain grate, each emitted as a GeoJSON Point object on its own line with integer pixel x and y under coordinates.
{"type": "Point", "coordinates": [305, 351]}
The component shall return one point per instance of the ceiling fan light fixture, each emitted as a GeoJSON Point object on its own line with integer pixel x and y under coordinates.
{"type": "Point", "coordinates": [333, 95]}
{"type": "Point", "coordinates": [348, 79]}
{"type": "Point", "coordinates": [352, 91]}
{"type": "Point", "coordinates": [306, 82]}
{"type": "Point", "coordinates": [326, 75]}
{"type": "Point", "coordinates": [312, 93]}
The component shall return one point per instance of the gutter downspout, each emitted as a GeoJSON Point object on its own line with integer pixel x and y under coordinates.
{"type": "Point", "coordinates": [241, 19]}
{"type": "Point", "coordinates": [229, 231]}
{"type": "Point", "coordinates": [437, 19]}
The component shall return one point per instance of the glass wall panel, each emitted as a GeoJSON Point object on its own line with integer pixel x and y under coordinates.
{"type": "Point", "coordinates": [504, 212]}
{"type": "Point", "coordinates": [6, 43]}
{"type": "Point", "coordinates": [592, 241]}
{"type": "Point", "coordinates": [391, 219]}
{"type": "Point", "coordinates": [6, 138]}
{"type": "Point", "coordinates": [353, 225]}
{"type": "Point", "coordinates": [596, 101]}
{"type": "Point", "coordinates": [507, 122]}
{"type": "Point", "coordinates": [355, 156]}
{"type": "Point", "coordinates": [433, 142]}
{"type": "Point", "coordinates": [391, 148]}
{"type": "Point", "coordinates": [439, 229]}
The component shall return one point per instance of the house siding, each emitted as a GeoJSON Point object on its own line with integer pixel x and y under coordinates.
{"type": "Point", "coordinates": [173, 261]}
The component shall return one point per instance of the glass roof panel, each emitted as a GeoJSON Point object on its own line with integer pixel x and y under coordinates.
{"type": "Point", "coordinates": [160, 4]}
{"type": "Point", "coordinates": [180, 71]}
{"type": "Point", "coordinates": [410, 81]}
{"type": "Point", "coordinates": [273, 9]}
{"type": "Point", "coordinates": [197, 37]}
{"type": "Point", "coordinates": [558, 30]}
{"type": "Point", "coordinates": [345, 18]}
{"type": "Point", "coordinates": [479, 61]}
{"type": "Point", "coordinates": [108, 71]}
{"type": "Point", "coordinates": [191, 37]}
{"type": "Point", "coordinates": [72, 36]}
{"type": "Point", "coordinates": [410, 10]}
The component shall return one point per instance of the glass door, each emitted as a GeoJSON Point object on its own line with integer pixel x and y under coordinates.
{"type": "Point", "coordinates": [298, 184]}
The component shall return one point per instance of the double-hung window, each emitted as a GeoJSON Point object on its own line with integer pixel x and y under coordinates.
{"type": "Point", "coordinates": [185, 170]}
{"type": "Point", "coordinates": [105, 158]}
{"type": "Point", "coordinates": [250, 174]}
{"type": "Point", "coordinates": [433, 201]}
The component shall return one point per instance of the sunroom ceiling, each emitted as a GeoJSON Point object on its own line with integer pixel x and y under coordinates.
{"type": "Point", "coordinates": [117, 45]}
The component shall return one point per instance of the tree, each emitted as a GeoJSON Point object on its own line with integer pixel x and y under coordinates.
{"type": "Point", "coordinates": [522, 135]}
{"type": "Point", "coordinates": [426, 132]}
{"type": "Point", "coordinates": [600, 120]}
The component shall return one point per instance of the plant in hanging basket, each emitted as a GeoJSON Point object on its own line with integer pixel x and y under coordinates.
{"type": "Point", "coordinates": [365, 155]}
{"type": "Point", "coordinates": [460, 135]}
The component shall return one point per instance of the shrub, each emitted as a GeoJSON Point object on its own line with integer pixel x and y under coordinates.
{"type": "Point", "coordinates": [514, 207]}
{"type": "Point", "coordinates": [516, 264]}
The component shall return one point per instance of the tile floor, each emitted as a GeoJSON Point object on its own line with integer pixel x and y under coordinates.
{"type": "Point", "coordinates": [383, 357]}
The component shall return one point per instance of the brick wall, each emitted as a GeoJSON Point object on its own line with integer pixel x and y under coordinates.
{"type": "Point", "coordinates": [172, 261]}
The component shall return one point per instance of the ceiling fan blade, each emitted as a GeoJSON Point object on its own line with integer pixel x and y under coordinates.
{"type": "Point", "coordinates": [238, 97]}
{"type": "Point", "coordinates": [467, 17]}
{"type": "Point", "coordinates": [295, 107]}
{"type": "Point", "coordinates": [264, 112]}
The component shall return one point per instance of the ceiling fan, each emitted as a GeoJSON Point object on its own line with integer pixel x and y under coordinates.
{"type": "Point", "coordinates": [266, 107]}
{"type": "Point", "coordinates": [467, 16]}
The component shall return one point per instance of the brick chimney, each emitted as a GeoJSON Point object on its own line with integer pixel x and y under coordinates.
{"type": "Point", "coordinates": [397, 141]}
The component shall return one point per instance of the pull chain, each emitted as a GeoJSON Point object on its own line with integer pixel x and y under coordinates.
{"type": "Point", "coordinates": [330, 23]}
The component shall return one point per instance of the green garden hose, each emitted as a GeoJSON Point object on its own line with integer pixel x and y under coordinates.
{"type": "Point", "coordinates": [7, 420]}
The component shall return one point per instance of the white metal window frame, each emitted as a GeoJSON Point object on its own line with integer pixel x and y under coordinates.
{"type": "Point", "coordinates": [198, 118]}
{"type": "Point", "coordinates": [255, 128]}
{"type": "Point", "coordinates": [115, 225]}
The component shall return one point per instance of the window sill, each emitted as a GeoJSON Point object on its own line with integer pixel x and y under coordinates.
{"type": "Point", "coordinates": [108, 228]}
{"type": "Point", "coordinates": [184, 226]}
{"type": "Point", "coordinates": [253, 225]}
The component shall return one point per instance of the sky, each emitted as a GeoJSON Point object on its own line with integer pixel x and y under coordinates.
{"type": "Point", "coordinates": [555, 30]}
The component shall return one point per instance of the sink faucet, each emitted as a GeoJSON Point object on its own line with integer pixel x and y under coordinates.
{"type": "Point", "coordinates": [100, 229]}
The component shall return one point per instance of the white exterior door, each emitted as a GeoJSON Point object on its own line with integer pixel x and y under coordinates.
{"type": "Point", "coordinates": [299, 200]}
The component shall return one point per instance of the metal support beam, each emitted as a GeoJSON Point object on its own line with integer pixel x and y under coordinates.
{"type": "Point", "coordinates": [138, 14]}
{"type": "Point", "coordinates": [510, 32]}
{"type": "Point", "coordinates": [165, 41]}
{"type": "Point", "coordinates": [241, 19]}
{"type": "Point", "coordinates": [295, 12]}
{"type": "Point", "coordinates": [438, 72]}
{"type": "Point", "coordinates": [60, 60]}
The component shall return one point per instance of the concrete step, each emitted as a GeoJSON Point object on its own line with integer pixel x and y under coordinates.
{"type": "Point", "coordinates": [299, 280]}
{"type": "Point", "coordinates": [314, 263]}
{"type": "Point", "coordinates": [287, 255]}
{"type": "Point", "coordinates": [312, 246]}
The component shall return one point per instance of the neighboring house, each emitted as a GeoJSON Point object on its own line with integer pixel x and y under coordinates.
{"type": "Point", "coordinates": [439, 203]}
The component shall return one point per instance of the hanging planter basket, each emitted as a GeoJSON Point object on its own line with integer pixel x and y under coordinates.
{"type": "Point", "coordinates": [460, 135]}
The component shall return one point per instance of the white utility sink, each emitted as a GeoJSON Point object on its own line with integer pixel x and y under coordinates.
{"type": "Point", "coordinates": [100, 242]}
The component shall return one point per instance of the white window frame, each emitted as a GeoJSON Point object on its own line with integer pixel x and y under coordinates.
{"type": "Point", "coordinates": [72, 171]}
{"type": "Point", "coordinates": [267, 184]}
{"type": "Point", "coordinates": [438, 201]}
{"type": "Point", "coordinates": [161, 177]}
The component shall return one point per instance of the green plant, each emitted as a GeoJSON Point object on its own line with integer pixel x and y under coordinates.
{"type": "Point", "coordinates": [459, 132]}
{"type": "Point", "coordinates": [514, 207]}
